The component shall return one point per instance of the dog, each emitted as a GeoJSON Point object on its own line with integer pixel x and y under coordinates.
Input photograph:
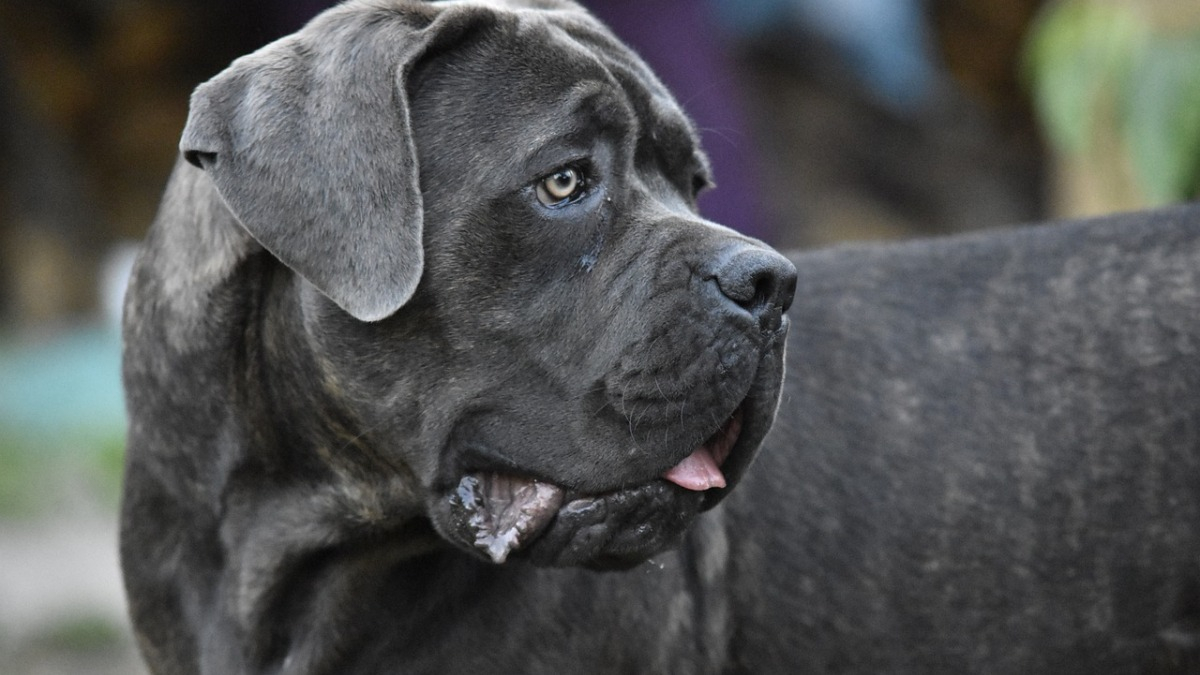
{"type": "Point", "coordinates": [431, 366]}
{"type": "Point", "coordinates": [427, 291]}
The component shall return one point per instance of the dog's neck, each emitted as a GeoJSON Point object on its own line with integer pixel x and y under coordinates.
{"type": "Point", "coordinates": [326, 516]}
{"type": "Point", "coordinates": [293, 502]}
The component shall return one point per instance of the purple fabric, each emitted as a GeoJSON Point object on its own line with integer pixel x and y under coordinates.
{"type": "Point", "coordinates": [681, 43]}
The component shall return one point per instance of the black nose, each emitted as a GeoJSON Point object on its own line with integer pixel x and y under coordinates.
{"type": "Point", "coordinates": [758, 280]}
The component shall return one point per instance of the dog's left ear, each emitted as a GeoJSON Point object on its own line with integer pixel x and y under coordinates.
{"type": "Point", "coordinates": [309, 143]}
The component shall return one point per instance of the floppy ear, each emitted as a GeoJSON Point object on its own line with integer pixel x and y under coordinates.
{"type": "Point", "coordinates": [309, 143]}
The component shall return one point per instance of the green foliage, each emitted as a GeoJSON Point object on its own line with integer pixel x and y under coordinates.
{"type": "Point", "coordinates": [1079, 54]}
{"type": "Point", "coordinates": [1163, 118]}
{"type": "Point", "coordinates": [20, 490]}
{"type": "Point", "coordinates": [37, 472]}
{"type": "Point", "coordinates": [87, 633]}
{"type": "Point", "coordinates": [107, 466]}
{"type": "Point", "coordinates": [1092, 62]}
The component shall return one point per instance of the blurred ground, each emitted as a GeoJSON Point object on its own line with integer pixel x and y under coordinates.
{"type": "Point", "coordinates": [61, 605]}
{"type": "Point", "coordinates": [63, 611]}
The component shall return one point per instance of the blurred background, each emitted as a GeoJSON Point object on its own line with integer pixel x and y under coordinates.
{"type": "Point", "coordinates": [827, 120]}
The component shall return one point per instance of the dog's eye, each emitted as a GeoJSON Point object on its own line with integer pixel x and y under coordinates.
{"type": "Point", "coordinates": [561, 187]}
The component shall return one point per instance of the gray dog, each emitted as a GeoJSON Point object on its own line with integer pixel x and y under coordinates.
{"type": "Point", "coordinates": [428, 333]}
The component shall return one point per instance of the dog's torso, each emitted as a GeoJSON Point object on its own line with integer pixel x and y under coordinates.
{"type": "Point", "coordinates": [985, 458]}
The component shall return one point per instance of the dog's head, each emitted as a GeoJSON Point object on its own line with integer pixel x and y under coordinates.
{"type": "Point", "coordinates": [500, 274]}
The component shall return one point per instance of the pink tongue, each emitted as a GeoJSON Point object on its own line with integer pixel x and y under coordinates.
{"type": "Point", "coordinates": [698, 471]}
{"type": "Point", "coordinates": [701, 470]}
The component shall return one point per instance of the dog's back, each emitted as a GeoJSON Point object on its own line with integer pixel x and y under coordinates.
{"type": "Point", "coordinates": [986, 458]}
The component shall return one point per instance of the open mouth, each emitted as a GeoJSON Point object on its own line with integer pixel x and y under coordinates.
{"type": "Point", "coordinates": [504, 512]}
{"type": "Point", "coordinates": [701, 470]}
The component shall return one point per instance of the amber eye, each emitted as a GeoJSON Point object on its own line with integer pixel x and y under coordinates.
{"type": "Point", "coordinates": [560, 187]}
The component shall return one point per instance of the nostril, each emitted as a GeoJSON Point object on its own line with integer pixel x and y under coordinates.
{"type": "Point", "coordinates": [763, 286]}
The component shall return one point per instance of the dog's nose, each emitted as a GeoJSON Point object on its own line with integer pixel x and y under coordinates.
{"type": "Point", "coordinates": [758, 280]}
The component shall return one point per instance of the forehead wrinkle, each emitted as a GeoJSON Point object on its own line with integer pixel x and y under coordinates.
{"type": "Point", "coordinates": [574, 122]}
{"type": "Point", "coordinates": [660, 123]}
{"type": "Point", "coordinates": [598, 90]}
{"type": "Point", "coordinates": [658, 114]}
{"type": "Point", "coordinates": [631, 73]}
{"type": "Point", "coordinates": [613, 87]}
{"type": "Point", "coordinates": [667, 135]}
{"type": "Point", "coordinates": [589, 99]}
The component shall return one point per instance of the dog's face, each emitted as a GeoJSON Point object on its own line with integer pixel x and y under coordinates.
{"type": "Point", "coordinates": [584, 363]}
